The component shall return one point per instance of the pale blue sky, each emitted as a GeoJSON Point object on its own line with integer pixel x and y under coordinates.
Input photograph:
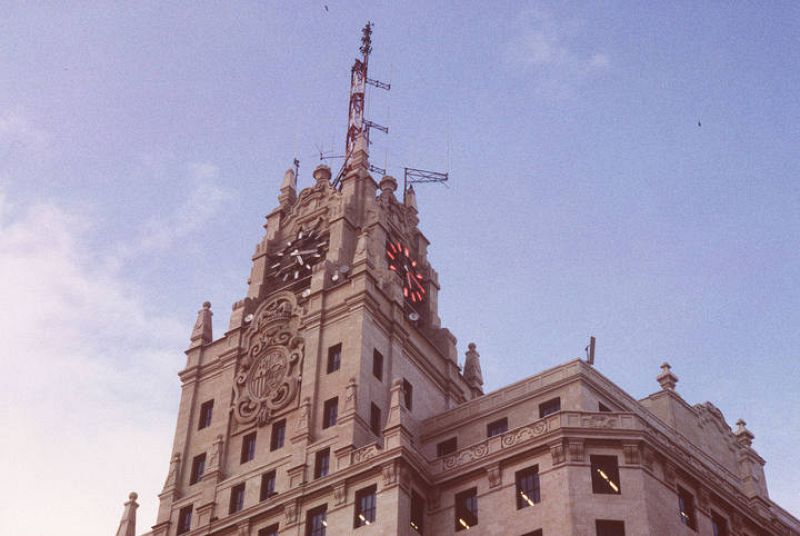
{"type": "Point", "coordinates": [141, 145]}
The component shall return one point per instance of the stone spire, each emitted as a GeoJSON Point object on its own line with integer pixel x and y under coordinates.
{"type": "Point", "coordinates": [667, 379]}
{"type": "Point", "coordinates": [411, 198]}
{"type": "Point", "coordinates": [472, 368]}
{"type": "Point", "coordinates": [127, 525]}
{"type": "Point", "coordinates": [288, 193]}
{"type": "Point", "coordinates": [201, 333]}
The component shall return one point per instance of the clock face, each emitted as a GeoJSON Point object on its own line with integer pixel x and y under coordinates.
{"type": "Point", "coordinates": [294, 261]}
{"type": "Point", "coordinates": [401, 263]}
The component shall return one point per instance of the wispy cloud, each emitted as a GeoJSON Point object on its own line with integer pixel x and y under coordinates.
{"type": "Point", "coordinates": [81, 355]}
{"type": "Point", "coordinates": [550, 50]}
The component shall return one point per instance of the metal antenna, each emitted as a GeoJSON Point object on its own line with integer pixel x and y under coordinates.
{"type": "Point", "coordinates": [590, 351]}
{"type": "Point", "coordinates": [357, 126]}
{"type": "Point", "coordinates": [421, 176]}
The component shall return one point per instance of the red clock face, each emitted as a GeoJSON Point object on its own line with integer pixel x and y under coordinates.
{"type": "Point", "coordinates": [401, 263]}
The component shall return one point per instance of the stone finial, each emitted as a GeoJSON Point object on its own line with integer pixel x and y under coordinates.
{"type": "Point", "coordinates": [410, 198]}
{"type": "Point", "coordinates": [388, 186]}
{"type": "Point", "coordinates": [288, 193]}
{"type": "Point", "coordinates": [472, 367]}
{"type": "Point", "coordinates": [201, 333]}
{"type": "Point", "coordinates": [322, 174]}
{"type": "Point", "coordinates": [289, 180]}
{"type": "Point", "coordinates": [667, 379]}
{"type": "Point", "coordinates": [174, 467]}
{"type": "Point", "coordinates": [127, 525]}
{"type": "Point", "coordinates": [743, 435]}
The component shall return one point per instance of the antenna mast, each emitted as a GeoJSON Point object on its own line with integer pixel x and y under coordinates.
{"type": "Point", "coordinates": [357, 126]}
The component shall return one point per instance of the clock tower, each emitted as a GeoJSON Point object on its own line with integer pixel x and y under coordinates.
{"type": "Point", "coordinates": [305, 413]}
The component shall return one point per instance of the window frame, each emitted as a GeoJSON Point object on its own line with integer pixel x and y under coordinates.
{"type": "Point", "coordinates": [605, 485]}
{"type": "Point", "coordinates": [528, 494]}
{"type": "Point", "coordinates": [277, 436]}
{"type": "Point", "coordinates": [185, 519]}
{"type": "Point", "coordinates": [334, 358]}
{"type": "Point", "coordinates": [466, 509]}
{"type": "Point", "coordinates": [366, 506]}
{"type": "Point", "coordinates": [248, 452]}
{"type": "Point", "coordinates": [497, 427]}
{"type": "Point", "coordinates": [198, 468]}
{"type": "Point", "coordinates": [716, 519]}
{"type": "Point", "coordinates": [417, 516]}
{"type": "Point", "coordinates": [613, 525]}
{"type": "Point", "coordinates": [330, 412]}
{"type": "Point", "coordinates": [321, 469]}
{"type": "Point", "coordinates": [686, 508]}
{"type": "Point", "coordinates": [408, 395]}
{"type": "Point", "coordinates": [311, 515]}
{"type": "Point", "coordinates": [236, 499]}
{"type": "Point", "coordinates": [265, 492]}
{"type": "Point", "coordinates": [546, 407]}
{"type": "Point", "coordinates": [375, 419]}
{"type": "Point", "coordinates": [271, 530]}
{"type": "Point", "coordinates": [447, 447]}
{"type": "Point", "coordinates": [206, 414]}
{"type": "Point", "coordinates": [377, 364]}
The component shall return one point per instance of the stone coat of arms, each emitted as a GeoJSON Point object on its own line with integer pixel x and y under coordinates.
{"type": "Point", "coordinates": [269, 374]}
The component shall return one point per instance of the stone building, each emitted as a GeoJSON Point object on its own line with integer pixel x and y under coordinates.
{"type": "Point", "coordinates": [333, 403]}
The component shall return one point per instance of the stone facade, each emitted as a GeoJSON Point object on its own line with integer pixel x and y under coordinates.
{"type": "Point", "coordinates": [334, 389]}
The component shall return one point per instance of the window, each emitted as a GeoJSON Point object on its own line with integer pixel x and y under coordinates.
{"type": "Point", "coordinates": [365, 507]}
{"type": "Point", "coordinates": [267, 486]}
{"type": "Point", "coordinates": [334, 358]}
{"type": "Point", "coordinates": [315, 521]}
{"type": "Point", "coordinates": [719, 525]}
{"type": "Point", "coordinates": [497, 427]}
{"type": "Point", "coordinates": [185, 519]}
{"type": "Point", "coordinates": [377, 365]}
{"type": "Point", "coordinates": [278, 435]}
{"type": "Point", "coordinates": [602, 407]}
{"type": "Point", "coordinates": [248, 448]}
{"type": "Point", "coordinates": [446, 447]}
{"type": "Point", "coordinates": [206, 410]}
{"type": "Point", "coordinates": [198, 468]}
{"type": "Point", "coordinates": [322, 463]}
{"type": "Point", "coordinates": [408, 394]}
{"type": "Point", "coordinates": [329, 412]}
{"type": "Point", "coordinates": [549, 407]}
{"type": "Point", "coordinates": [417, 512]}
{"type": "Point", "coordinates": [537, 532]}
{"type": "Point", "coordinates": [466, 509]}
{"type": "Point", "coordinates": [686, 508]}
{"type": "Point", "coordinates": [375, 419]}
{"type": "Point", "coordinates": [237, 498]}
{"type": "Point", "coordinates": [606, 527]}
{"type": "Point", "coordinates": [528, 492]}
{"type": "Point", "coordinates": [605, 475]}
{"type": "Point", "coordinates": [272, 530]}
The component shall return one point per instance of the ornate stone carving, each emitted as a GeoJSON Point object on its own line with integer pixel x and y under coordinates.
{"type": "Point", "coordinates": [216, 452]}
{"type": "Point", "coordinates": [290, 511]}
{"type": "Point", "coordinates": [495, 475]}
{"type": "Point", "coordinates": [365, 453]}
{"type": "Point", "coordinates": [575, 450]}
{"type": "Point", "coordinates": [466, 455]}
{"type": "Point", "coordinates": [268, 379]}
{"type": "Point", "coordinates": [389, 474]}
{"type": "Point", "coordinates": [340, 494]}
{"type": "Point", "coordinates": [524, 433]}
{"type": "Point", "coordinates": [557, 453]}
{"type": "Point", "coordinates": [600, 421]}
{"type": "Point", "coordinates": [631, 452]}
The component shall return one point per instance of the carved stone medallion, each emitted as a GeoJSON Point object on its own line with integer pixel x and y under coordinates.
{"type": "Point", "coordinates": [269, 372]}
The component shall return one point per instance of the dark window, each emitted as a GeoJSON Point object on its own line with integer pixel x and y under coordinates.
{"type": "Point", "coordinates": [278, 435]}
{"type": "Point", "coordinates": [315, 521]}
{"type": "Point", "coordinates": [322, 463]}
{"type": "Point", "coordinates": [417, 512]}
{"type": "Point", "coordinates": [537, 532]}
{"type": "Point", "coordinates": [377, 364]}
{"type": "Point", "coordinates": [605, 475]}
{"type": "Point", "coordinates": [237, 498]}
{"type": "Point", "coordinates": [272, 530]}
{"type": "Point", "coordinates": [446, 447]}
{"type": "Point", "coordinates": [549, 407]}
{"type": "Point", "coordinates": [606, 527]}
{"type": "Point", "coordinates": [375, 419]}
{"type": "Point", "coordinates": [497, 427]}
{"type": "Point", "coordinates": [329, 412]}
{"type": "Point", "coordinates": [719, 525]}
{"type": "Point", "coordinates": [248, 447]}
{"type": "Point", "coordinates": [602, 407]}
{"type": "Point", "coordinates": [334, 358]}
{"type": "Point", "coordinates": [528, 492]}
{"type": "Point", "coordinates": [267, 485]}
{"type": "Point", "coordinates": [198, 468]}
{"type": "Point", "coordinates": [365, 506]}
{"type": "Point", "coordinates": [408, 394]}
{"type": "Point", "coordinates": [466, 509]}
{"type": "Point", "coordinates": [686, 508]}
{"type": "Point", "coordinates": [206, 410]}
{"type": "Point", "coordinates": [185, 519]}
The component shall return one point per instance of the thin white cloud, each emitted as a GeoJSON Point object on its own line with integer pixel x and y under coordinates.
{"type": "Point", "coordinates": [548, 49]}
{"type": "Point", "coordinates": [85, 365]}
